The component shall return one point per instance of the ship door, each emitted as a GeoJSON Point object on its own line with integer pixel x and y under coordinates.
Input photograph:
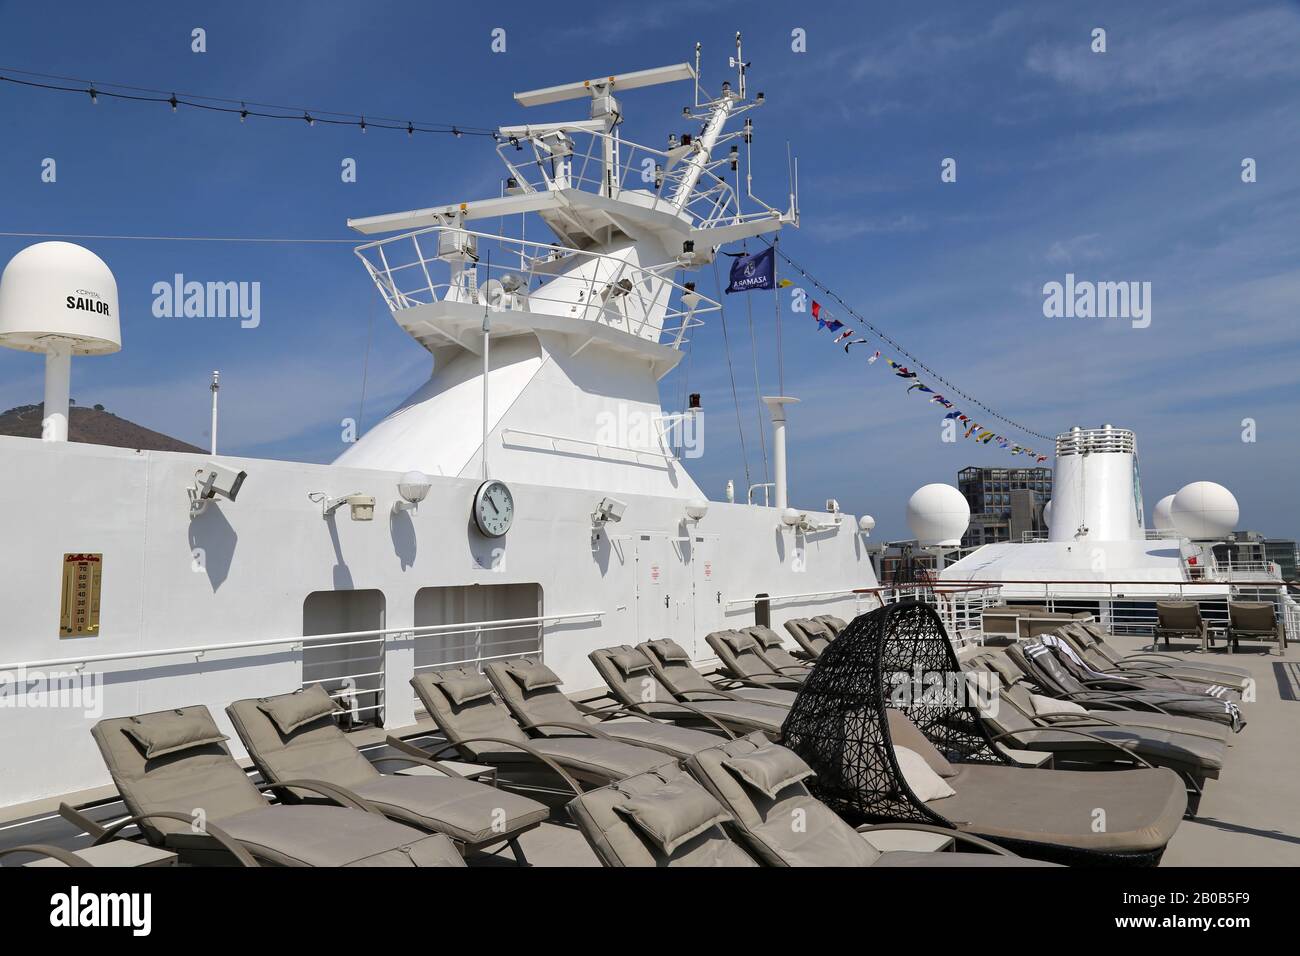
{"type": "Point", "coordinates": [653, 594]}
{"type": "Point", "coordinates": [707, 590]}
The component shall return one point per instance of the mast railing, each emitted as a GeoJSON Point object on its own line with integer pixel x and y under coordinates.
{"type": "Point", "coordinates": [535, 277]}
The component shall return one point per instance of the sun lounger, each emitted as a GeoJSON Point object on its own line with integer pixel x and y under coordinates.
{"type": "Point", "coordinates": [742, 660]}
{"type": "Point", "coordinates": [293, 736]}
{"type": "Point", "coordinates": [1079, 738]}
{"type": "Point", "coordinates": [185, 792]}
{"type": "Point", "coordinates": [532, 692]}
{"type": "Point", "coordinates": [462, 703]}
{"type": "Point", "coordinates": [836, 624]}
{"type": "Point", "coordinates": [772, 649]}
{"type": "Point", "coordinates": [632, 681]}
{"type": "Point", "coordinates": [762, 787]}
{"type": "Point", "coordinates": [1090, 649]}
{"type": "Point", "coordinates": [1126, 680]}
{"type": "Point", "coordinates": [672, 665]}
{"type": "Point", "coordinates": [663, 818]}
{"type": "Point", "coordinates": [1097, 637]}
{"type": "Point", "coordinates": [812, 636]}
{"type": "Point", "coordinates": [1130, 713]}
{"type": "Point", "coordinates": [1046, 670]}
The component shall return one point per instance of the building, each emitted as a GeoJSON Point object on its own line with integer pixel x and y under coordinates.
{"type": "Point", "coordinates": [1004, 503]}
{"type": "Point", "coordinates": [1250, 549]}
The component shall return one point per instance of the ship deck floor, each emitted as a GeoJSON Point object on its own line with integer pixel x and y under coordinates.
{"type": "Point", "coordinates": [1250, 816]}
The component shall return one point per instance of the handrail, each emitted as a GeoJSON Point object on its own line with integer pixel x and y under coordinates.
{"type": "Point", "coordinates": [376, 636]}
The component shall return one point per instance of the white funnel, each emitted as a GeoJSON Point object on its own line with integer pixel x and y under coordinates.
{"type": "Point", "coordinates": [1096, 492]}
{"type": "Point", "coordinates": [59, 299]}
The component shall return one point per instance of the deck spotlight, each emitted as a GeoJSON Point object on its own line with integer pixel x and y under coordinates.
{"type": "Point", "coordinates": [413, 487]}
{"type": "Point", "coordinates": [214, 481]}
{"type": "Point", "coordinates": [360, 507]}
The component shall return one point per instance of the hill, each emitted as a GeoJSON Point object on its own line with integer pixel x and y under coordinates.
{"type": "Point", "coordinates": [93, 426]}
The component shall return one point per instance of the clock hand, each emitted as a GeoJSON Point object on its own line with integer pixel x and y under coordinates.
{"type": "Point", "coordinates": [488, 499]}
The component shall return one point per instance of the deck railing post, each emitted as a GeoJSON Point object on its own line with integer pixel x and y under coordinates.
{"type": "Point", "coordinates": [399, 668]}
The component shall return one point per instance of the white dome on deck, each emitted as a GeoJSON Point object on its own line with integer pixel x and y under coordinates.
{"type": "Point", "coordinates": [59, 290]}
{"type": "Point", "coordinates": [1204, 511]}
{"type": "Point", "coordinates": [938, 514]}
{"type": "Point", "coordinates": [1162, 518]}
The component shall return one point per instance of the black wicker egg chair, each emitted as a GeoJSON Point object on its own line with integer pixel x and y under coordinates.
{"type": "Point", "coordinates": [839, 725]}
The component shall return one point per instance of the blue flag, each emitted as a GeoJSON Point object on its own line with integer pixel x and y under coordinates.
{"type": "Point", "coordinates": [753, 272]}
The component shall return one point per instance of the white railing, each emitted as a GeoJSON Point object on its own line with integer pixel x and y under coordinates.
{"type": "Point", "coordinates": [654, 174]}
{"type": "Point", "coordinates": [524, 276]}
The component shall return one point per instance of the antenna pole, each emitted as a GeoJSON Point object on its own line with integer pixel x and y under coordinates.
{"type": "Point", "coordinates": [216, 387]}
{"type": "Point", "coordinates": [487, 337]}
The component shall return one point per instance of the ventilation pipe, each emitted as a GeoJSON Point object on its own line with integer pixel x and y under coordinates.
{"type": "Point", "coordinates": [776, 405]}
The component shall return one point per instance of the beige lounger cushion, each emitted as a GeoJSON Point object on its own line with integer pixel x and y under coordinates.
{"type": "Point", "coordinates": [533, 675]}
{"type": "Point", "coordinates": [629, 660]}
{"type": "Point", "coordinates": [173, 731]}
{"type": "Point", "coordinates": [1142, 807]}
{"type": "Point", "coordinates": [769, 769]}
{"type": "Point", "coordinates": [906, 734]}
{"type": "Point", "coordinates": [462, 685]}
{"type": "Point", "coordinates": [618, 841]}
{"type": "Point", "coordinates": [924, 782]}
{"type": "Point", "coordinates": [792, 829]}
{"type": "Point", "coordinates": [328, 836]}
{"type": "Point", "coordinates": [669, 650]}
{"type": "Point", "coordinates": [470, 812]}
{"type": "Point", "coordinates": [291, 711]}
{"type": "Point", "coordinates": [1046, 706]}
{"type": "Point", "coordinates": [674, 813]}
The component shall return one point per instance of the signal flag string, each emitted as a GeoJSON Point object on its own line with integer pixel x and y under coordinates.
{"type": "Point", "coordinates": [902, 351]}
{"type": "Point", "coordinates": [244, 108]}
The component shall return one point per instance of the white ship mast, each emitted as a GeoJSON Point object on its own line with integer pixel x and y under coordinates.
{"type": "Point", "coordinates": [582, 327]}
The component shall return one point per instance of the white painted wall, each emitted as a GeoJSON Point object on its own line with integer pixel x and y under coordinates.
{"type": "Point", "coordinates": [242, 570]}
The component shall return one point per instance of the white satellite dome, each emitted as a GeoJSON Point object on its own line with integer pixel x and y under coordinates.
{"type": "Point", "coordinates": [1047, 514]}
{"type": "Point", "coordinates": [59, 291]}
{"type": "Point", "coordinates": [938, 515]}
{"type": "Point", "coordinates": [1162, 518]}
{"type": "Point", "coordinates": [1204, 511]}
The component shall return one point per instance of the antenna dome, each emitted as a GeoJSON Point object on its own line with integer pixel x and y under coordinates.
{"type": "Point", "coordinates": [59, 290]}
{"type": "Point", "coordinates": [938, 514]}
{"type": "Point", "coordinates": [1162, 518]}
{"type": "Point", "coordinates": [1204, 511]}
{"type": "Point", "coordinates": [1047, 514]}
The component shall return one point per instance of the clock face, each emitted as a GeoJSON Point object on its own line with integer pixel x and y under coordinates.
{"type": "Point", "coordinates": [494, 508]}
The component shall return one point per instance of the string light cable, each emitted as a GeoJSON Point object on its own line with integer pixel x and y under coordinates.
{"type": "Point", "coordinates": [242, 107]}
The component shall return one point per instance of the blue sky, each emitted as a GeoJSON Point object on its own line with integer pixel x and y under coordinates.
{"type": "Point", "coordinates": [1117, 166]}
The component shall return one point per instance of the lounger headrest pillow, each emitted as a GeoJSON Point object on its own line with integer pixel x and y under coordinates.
{"type": "Point", "coordinates": [769, 769]}
{"type": "Point", "coordinates": [462, 685]}
{"type": "Point", "coordinates": [904, 733]}
{"type": "Point", "coordinates": [766, 636]}
{"type": "Point", "coordinates": [669, 650]}
{"type": "Point", "coordinates": [1046, 706]}
{"type": "Point", "coordinates": [290, 711]}
{"type": "Point", "coordinates": [739, 641]}
{"type": "Point", "coordinates": [169, 733]}
{"type": "Point", "coordinates": [674, 813]}
{"type": "Point", "coordinates": [628, 660]}
{"type": "Point", "coordinates": [533, 675]}
{"type": "Point", "coordinates": [923, 781]}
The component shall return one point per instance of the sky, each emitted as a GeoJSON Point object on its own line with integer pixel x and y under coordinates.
{"type": "Point", "coordinates": [1123, 165]}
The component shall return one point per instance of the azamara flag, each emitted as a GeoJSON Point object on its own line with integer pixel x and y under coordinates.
{"type": "Point", "coordinates": [753, 272]}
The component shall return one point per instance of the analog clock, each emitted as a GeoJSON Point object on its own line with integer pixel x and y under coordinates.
{"type": "Point", "coordinates": [494, 508]}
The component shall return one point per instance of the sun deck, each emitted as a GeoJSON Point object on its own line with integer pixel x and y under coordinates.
{"type": "Point", "coordinates": [1248, 817]}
